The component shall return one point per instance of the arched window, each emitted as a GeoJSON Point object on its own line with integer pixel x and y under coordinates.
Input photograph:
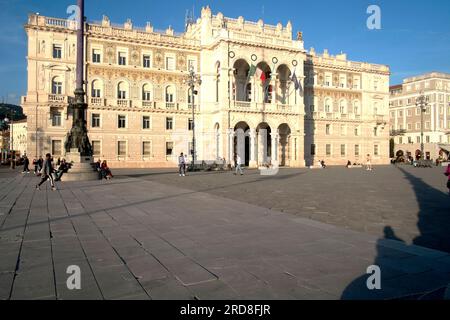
{"type": "Point", "coordinates": [170, 94]}
{"type": "Point", "coordinates": [328, 105]}
{"type": "Point", "coordinates": [146, 92]}
{"type": "Point", "coordinates": [356, 109]}
{"type": "Point", "coordinates": [96, 89]}
{"type": "Point", "coordinates": [57, 85]}
{"type": "Point", "coordinates": [122, 90]}
{"type": "Point", "coordinates": [217, 80]}
{"type": "Point", "coordinates": [343, 107]}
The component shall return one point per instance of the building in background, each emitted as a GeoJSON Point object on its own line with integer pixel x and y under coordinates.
{"type": "Point", "coordinates": [262, 95]}
{"type": "Point", "coordinates": [406, 116]}
{"type": "Point", "coordinates": [19, 137]}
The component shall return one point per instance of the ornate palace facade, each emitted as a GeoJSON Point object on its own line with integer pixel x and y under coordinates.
{"type": "Point", "coordinates": [140, 108]}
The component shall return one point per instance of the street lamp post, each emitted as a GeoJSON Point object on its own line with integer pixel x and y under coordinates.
{"type": "Point", "coordinates": [422, 104]}
{"type": "Point", "coordinates": [11, 139]}
{"type": "Point", "coordinates": [193, 79]}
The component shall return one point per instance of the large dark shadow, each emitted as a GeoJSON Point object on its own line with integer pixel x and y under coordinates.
{"type": "Point", "coordinates": [434, 227]}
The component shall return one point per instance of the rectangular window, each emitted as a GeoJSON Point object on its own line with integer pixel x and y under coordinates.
{"type": "Point", "coordinates": [57, 51]}
{"type": "Point", "coordinates": [146, 148]}
{"type": "Point", "coordinates": [328, 129]}
{"type": "Point", "coordinates": [190, 124]}
{"type": "Point", "coordinates": [400, 140]}
{"type": "Point", "coordinates": [418, 139]}
{"type": "Point", "coordinates": [56, 119]}
{"type": "Point", "coordinates": [343, 152]}
{"type": "Point", "coordinates": [409, 140]}
{"type": "Point", "coordinates": [328, 149]}
{"type": "Point", "coordinates": [313, 149]}
{"type": "Point", "coordinates": [170, 63]}
{"type": "Point", "coordinates": [428, 139]}
{"type": "Point", "coordinates": [357, 150]}
{"type": "Point", "coordinates": [169, 123]}
{"type": "Point", "coordinates": [356, 131]}
{"type": "Point", "coordinates": [122, 58]}
{"type": "Point", "coordinates": [96, 148]}
{"type": "Point", "coordinates": [56, 147]}
{"type": "Point", "coordinates": [169, 148]}
{"type": "Point", "coordinates": [95, 120]}
{"type": "Point", "coordinates": [343, 130]}
{"type": "Point", "coordinates": [409, 112]}
{"type": "Point", "coordinates": [146, 122]}
{"type": "Point", "coordinates": [96, 56]}
{"type": "Point", "coordinates": [121, 148]}
{"type": "Point", "coordinates": [375, 150]}
{"type": "Point", "coordinates": [121, 121]}
{"type": "Point", "coordinates": [409, 126]}
{"type": "Point", "coordinates": [146, 61]}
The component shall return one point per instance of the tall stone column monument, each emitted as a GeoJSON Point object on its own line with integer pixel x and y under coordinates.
{"type": "Point", "coordinates": [77, 145]}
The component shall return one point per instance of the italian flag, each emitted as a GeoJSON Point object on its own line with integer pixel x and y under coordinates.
{"type": "Point", "coordinates": [255, 71]}
{"type": "Point", "coordinates": [260, 75]}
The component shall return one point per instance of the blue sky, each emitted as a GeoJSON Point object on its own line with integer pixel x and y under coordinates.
{"type": "Point", "coordinates": [414, 38]}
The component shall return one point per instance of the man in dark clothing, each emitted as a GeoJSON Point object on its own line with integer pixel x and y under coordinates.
{"type": "Point", "coordinates": [40, 163]}
{"type": "Point", "coordinates": [26, 163]}
{"type": "Point", "coordinates": [62, 168]}
{"type": "Point", "coordinates": [47, 172]}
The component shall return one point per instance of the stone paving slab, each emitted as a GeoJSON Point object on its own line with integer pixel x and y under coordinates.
{"type": "Point", "coordinates": [135, 238]}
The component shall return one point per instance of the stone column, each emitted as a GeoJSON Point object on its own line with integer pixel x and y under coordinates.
{"type": "Point", "coordinates": [274, 156]}
{"type": "Point", "coordinates": [240, 149]}
{"type": "Point", "coordinates": [273, 82]}
{"type": "Point", "coordinates": [230, 135]}
{"type": "Point", "coordinates": [253, 155]}
{"type": "Point", "coordinates": [262, 146]}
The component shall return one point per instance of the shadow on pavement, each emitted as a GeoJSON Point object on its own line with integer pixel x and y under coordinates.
{"type": "Point", "coordinates": [403, 277]}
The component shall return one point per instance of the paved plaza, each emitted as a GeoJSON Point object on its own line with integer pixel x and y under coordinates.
{"type": "Point", "coordinates": [302, 234]}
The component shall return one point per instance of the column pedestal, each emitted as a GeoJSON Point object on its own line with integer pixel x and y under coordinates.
{"type": "Point", "coordinates": [81, 169]}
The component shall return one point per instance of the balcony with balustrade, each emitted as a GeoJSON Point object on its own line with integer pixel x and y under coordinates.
{"type": "Point", "coordinates": [263, 107]}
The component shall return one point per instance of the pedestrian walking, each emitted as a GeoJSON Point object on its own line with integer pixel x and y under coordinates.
{"type": "Point", "coordinates": [447, 173]}
{"type": "Point", "coordinates": [238, 165]}
{"type": "Point", "coordinates": [369, 163]}
{"type": "Point", "coordinates": [186, 162]}
{"type": "Point", "coordinates": [47, 172]}
{"type": "Point", "coordinates": [40, 163]}
{"type": "Point", "coordinates": [35, 163]}
{"type": "Point", "coordinates": [26, 163]}
{"type": "Point", "coordinates": [182, 165]}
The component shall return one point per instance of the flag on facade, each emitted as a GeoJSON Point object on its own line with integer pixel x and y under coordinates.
{"type": "Point", "coordinates": [296, 83]}
{"type": "Point", "coordinates": [251, 71]}
{"type": "Point", "coordinates": [260, 75]}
